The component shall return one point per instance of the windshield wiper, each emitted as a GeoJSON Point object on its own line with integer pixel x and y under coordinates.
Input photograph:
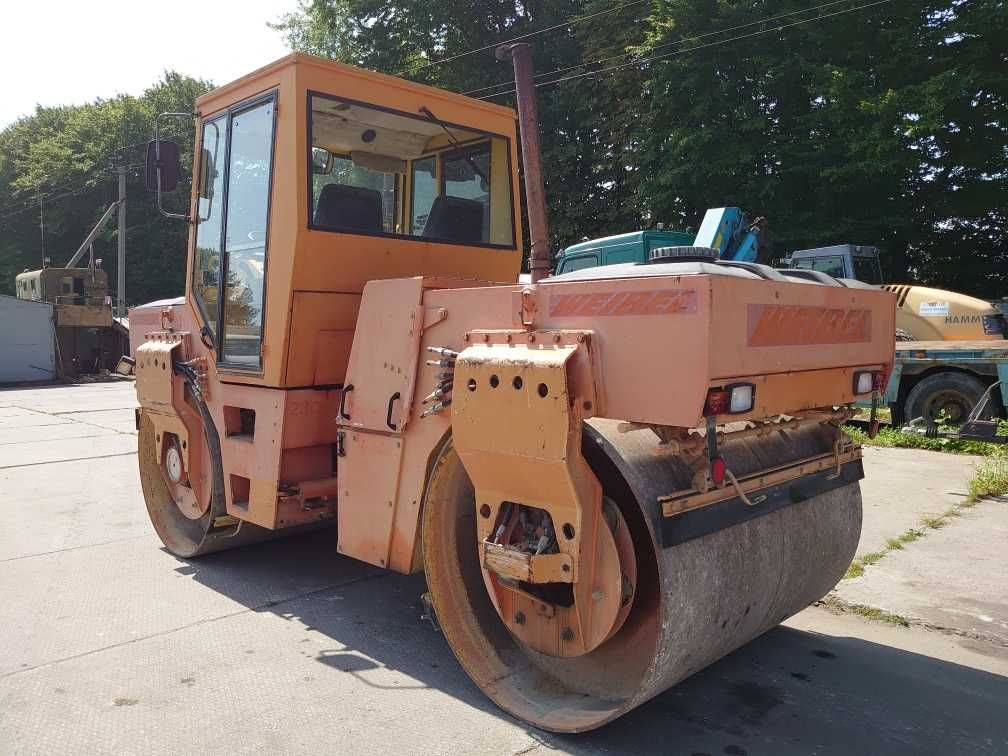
{"type": "Point", "coordinates": [472, 164]}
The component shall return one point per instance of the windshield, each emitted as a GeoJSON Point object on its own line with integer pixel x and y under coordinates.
{"type": "Point", "coordinates": [831, 265]}
{"type": "Point", "coordinates": [381, 172]}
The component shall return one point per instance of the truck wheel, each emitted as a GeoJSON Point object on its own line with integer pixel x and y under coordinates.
{"type": "Point", "coordinates": [952, 393]}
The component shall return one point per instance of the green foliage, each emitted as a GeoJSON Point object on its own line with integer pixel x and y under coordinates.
{"type": "Point", "coordinates": [894, 438]}
{"type": "Point", "coordinates": [882, 126]}
{"type": "Point", "coordinates": [68, 155]}
{"type": "Point", "coordinates": [885, 126]}
{"type": "Point", "coordinates": [990, 479]}
{"type": "Point", "coordinates": [588, 126]}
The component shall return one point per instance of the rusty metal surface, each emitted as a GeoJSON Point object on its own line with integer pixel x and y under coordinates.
{"type": "Point", "coordinates": [690, 499]}
{"type": "Point", "coordinates": [726, 588]}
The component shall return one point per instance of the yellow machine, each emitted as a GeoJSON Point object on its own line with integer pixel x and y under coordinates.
{"type": "Point", "coordinates": [926, 314]}
{"type": "Point", "coordinates": [86, 340]}
{"type": "Point", "coordinates": [611, 477]}
{"type": "Point", "coordinates": [80, 295]}
{"type": "Point", "coordinates": [922, 313]}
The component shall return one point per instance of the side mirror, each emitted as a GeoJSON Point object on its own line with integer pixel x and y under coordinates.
{"type": "Point", "coordinates": [163, 166]}
{"type": "Point", "coordinates": [321, 161]}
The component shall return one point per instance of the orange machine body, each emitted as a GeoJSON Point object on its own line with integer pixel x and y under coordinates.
{"type": "Point", "coordinates": [593, 449]}
{"type": "Point", "coordinates": [654, 346]}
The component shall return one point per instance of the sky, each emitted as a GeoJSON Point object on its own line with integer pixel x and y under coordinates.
{"type": "Point", "coordinates": [63, 52]}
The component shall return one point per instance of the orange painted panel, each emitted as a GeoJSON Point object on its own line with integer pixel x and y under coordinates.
{"type": "Point", "coordinates": [796, 325]}
{"type": "Point", "coordinates": [321, 332]}
{"type": "Point", "coordinates": [310, 418]}
{"type": "Point", "coordinates": [764, 327]}
{"type": "Point", "coordinates": [384, 355]}
{"type": "Point", "coordinates": [368, 489]}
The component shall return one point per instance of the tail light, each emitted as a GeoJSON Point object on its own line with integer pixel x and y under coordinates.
{"type": "Point", "coordinates": [864, 382]}
{"type": "Point", "coordinates": [736, 399]}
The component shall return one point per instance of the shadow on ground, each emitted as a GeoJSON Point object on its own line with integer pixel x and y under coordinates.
{"type": "Point", "coordinates": [788, 692]}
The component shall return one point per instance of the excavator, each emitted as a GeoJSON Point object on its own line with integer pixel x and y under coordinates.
{"type": "Point", "coordinates": [611, 478]}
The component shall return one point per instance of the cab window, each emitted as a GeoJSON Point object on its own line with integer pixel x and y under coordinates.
{"type": "Point", "coordinates": [425, 191]}
{"type": "Point", "coordinates": [207, 257]}
{"type": "Point", "coordinates": [388, 173]}
{"type": "Point", "coordinates": [354, 185]}
{"type": "Point", "coordinates": [577, 263]}
{"type": "Point", "coordinates": [868, 270]}
{"type": "Point", "coordinates": [232, 211]}
{"type": "Point", "coordinates": [831, 265]}
{"type": "Point", "coordinates": [247, 208]}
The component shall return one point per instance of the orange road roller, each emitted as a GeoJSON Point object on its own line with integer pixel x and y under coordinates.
{"type": "Point", "coordinates": [611, 477]}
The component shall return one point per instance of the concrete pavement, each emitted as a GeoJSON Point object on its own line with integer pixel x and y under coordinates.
{"type": "Point", "coordinates": [903, 485]}
{"type": "Point", "coordinates": [111, 645]}
{"type": "Point", "coordinates": [955, 577]}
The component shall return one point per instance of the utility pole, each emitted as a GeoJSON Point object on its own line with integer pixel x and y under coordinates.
{"type": "Point", "coordinates": [121, 257]}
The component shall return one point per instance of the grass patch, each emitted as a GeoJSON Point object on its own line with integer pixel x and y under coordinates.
{"type": "Point", "coordinates": [872, 557]}
{"type": "Point", "coordinates": [854, 569]}
{"type": "Point", "coordinates": [990, 479]}
{"type": "Point", "coordinates": [868, 612]}
{"type": "Point", "coordinates": [879, 615]}
{"type": "Point", "coordinates": [890, 437]}
{"type": "Point", "coordinates": [929, 522]}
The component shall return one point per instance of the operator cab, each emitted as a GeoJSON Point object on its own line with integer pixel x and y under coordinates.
{"type": "Point", "coordinates": [312, 178]}
{"type": "Point", "coordinates": [840, 261]}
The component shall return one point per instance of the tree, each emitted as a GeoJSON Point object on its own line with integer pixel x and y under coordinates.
{"type": "Point", "coordinates": [880, 127]}
{"type": "Point", "coordinates": [883, 125]}
{"type": "Point", "coordinates": [68, 156]}
{"type": "Point", "coordinates": [589, 178]}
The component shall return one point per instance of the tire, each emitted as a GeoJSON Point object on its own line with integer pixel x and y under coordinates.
{"type": "Point", "coordinates": [954, 392]}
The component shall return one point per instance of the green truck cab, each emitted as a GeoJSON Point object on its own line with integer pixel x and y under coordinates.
{"type": "Point", "coordinates": [633, 247]}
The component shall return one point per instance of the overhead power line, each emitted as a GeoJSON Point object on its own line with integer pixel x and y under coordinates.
{"type": "Point", "coordinates": [639, 61]}
{"type": "Point", "coordinates": [89, 176]}
{"type": "Point", "coordinates": [568, 22]}
{"type": "Point", "coordinates": [681, 40]}
{"type": "Point", "coordinates": [86, 185]}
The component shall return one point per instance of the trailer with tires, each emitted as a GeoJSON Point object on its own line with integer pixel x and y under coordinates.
{"type": "Point", "coordinates": [949, 383]}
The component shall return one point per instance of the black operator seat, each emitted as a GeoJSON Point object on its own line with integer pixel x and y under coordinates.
{"type": "Point", "coordinates": [349, 207]}
{"type": "Point", "coordinates": [455, 219]}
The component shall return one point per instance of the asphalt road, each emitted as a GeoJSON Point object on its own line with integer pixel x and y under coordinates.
{"type": "Point", "coordinates": [111, 645]}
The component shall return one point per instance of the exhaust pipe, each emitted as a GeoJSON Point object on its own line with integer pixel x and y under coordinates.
{"type": "Point", "coordinates": [540, 261]}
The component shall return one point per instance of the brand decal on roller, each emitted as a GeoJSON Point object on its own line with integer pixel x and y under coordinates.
{"type": "Point", "coordinates": [603, 303]}
{"type": "Point", "coordinates": [795, 325]}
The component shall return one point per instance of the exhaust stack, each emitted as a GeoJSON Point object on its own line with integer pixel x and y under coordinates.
{"type": "Point", "coordinates": [540, 261]}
